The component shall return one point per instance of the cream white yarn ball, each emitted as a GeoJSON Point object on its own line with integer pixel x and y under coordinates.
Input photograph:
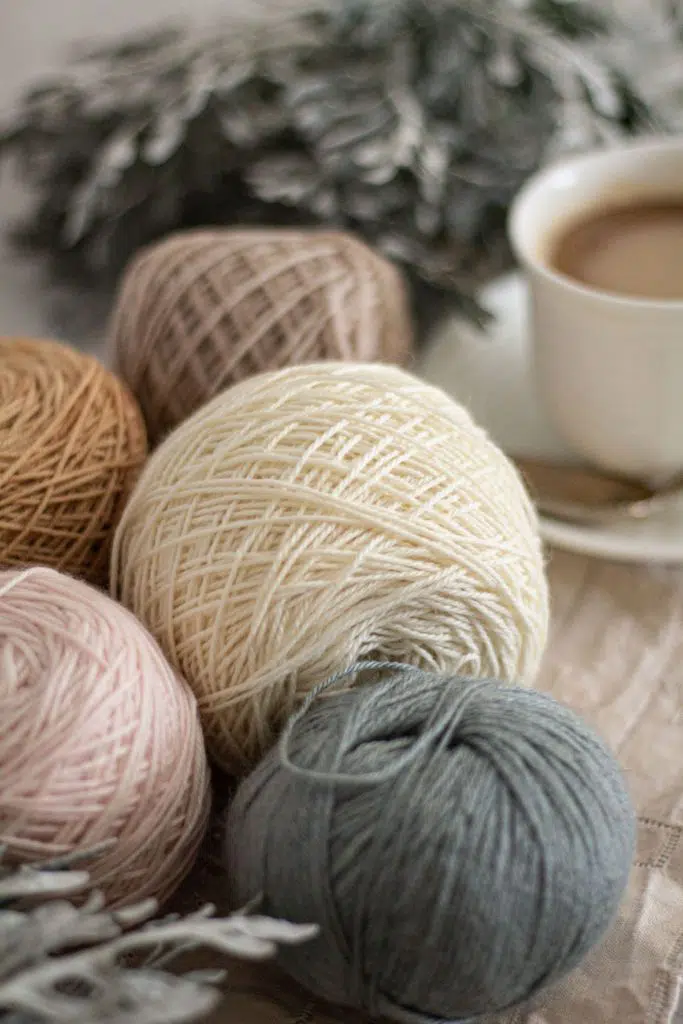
{"type": "Point", "coordinates": [310, 517]}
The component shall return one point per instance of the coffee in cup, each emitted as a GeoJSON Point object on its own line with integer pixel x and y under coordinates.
{"type": "Point", "coordinates": [601, 239]}
{"type": "Point", "coordinates": [631, 249]}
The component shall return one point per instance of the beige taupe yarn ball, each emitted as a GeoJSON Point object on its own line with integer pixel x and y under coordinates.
{"type": "Point", "coordinates": [316, 516]}
{"type": "Point", "coordinates": [206, 309]}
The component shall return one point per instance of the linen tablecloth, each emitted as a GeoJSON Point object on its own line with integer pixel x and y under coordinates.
{"type": "Point", "coordinates": [616, 656]}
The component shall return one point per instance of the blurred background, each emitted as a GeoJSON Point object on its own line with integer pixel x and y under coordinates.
{"type": "Point", "coordinates": [36, 37]}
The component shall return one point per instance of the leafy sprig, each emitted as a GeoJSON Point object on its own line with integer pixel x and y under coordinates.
{"type": "Point", "coordinates": [412, 122]}
{"type": "Point", "coordinates": [64, 962]}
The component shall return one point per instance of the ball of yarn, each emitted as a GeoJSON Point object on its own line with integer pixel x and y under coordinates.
{"type": "Point", "coordinates": [99, 739]}
{"type": "Point", "coordinates": [461, 844]}
{"type": "Point", "coordinates": [206, 309]}
{"type": "Point", "coordinates": [321, 514]}
{"type": "Point", "coordinates": [72, 441]}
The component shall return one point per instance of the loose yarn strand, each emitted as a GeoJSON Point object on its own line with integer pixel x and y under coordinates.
{"type": "Point", "coordinates": [437, 730]}
{"type": "Point", "coordinates": [16, 579]}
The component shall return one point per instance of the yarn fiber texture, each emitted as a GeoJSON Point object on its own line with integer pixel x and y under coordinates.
{"type": "Point", "coordinates": [72, 441]}
{"type": "Point", "coordinates": [99, 739]}
{"type": "Point", "coordinates": [311, 517]}
{"type": "Point", "coordinates": [206, 309]}
{"type": "Point", "coordinates": [461, 844]}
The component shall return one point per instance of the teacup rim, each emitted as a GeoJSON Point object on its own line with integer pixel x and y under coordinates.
{"type": "Point", "coordinates": [540, 178]}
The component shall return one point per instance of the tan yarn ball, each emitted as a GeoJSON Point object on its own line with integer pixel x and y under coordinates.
{"type": "Point", "coordinates": [72, 441]}
{"type": "Point", "coordinates": [322, 514]}
{"type": "Point", "coordinates": [205, 309]}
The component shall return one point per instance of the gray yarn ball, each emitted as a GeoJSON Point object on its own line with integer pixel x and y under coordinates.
{"type": "Point", "coordinates": [462, 844]}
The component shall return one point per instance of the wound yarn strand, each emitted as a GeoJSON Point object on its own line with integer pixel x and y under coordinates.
{"type": "Point", "coordinates": [72, 442]}
{"type": "Point", "coordinates": [203, 310]}
{"type": "Point", "coordinates": [99, 739]}
{"type": "Point", "coordinates": [439, 727]}
{"type": "Point", "coordinates": [311, 518]}
{"type": "Point", "coordinates": [501, 848]}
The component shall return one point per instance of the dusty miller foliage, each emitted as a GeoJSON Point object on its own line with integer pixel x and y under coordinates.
{"type": "Point", "coordinates": [63, 962]}
{"type": "Point", "coordinates": [412, 122]}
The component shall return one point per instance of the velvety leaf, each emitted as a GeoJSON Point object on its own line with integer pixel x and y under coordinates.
{"type": "Point", "coordinates": [573, 19]}
{"type": "Point", "coordinates": [331, 116]}
{"type": "Point", "coordinates": [165, 137]}
{"type": "Point", "coordinates": [62, 963]}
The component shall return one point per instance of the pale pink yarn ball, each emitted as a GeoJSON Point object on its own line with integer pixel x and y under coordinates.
{"type": "Point", "coordinates": [99, 739]}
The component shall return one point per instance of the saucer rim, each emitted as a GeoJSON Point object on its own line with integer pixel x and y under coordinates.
{"type": "Point", "coordinates": [611, 545]}
{"type": "Point", "coordinates": [505, 296]}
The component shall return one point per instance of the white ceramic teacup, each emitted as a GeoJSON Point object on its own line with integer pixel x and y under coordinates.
{"type": "Point", "coordinates": [609, 367]}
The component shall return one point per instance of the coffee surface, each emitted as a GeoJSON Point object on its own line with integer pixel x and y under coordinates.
{"type": "Point", "coordinates": [634, 250]}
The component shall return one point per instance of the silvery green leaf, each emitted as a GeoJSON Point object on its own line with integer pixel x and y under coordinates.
{"type": "Point", "coordinates": [234, 75]}
{"type": "Point", "coordinates": [471, 37]}
{"type": "Point", "coordinates": [60, 924]}
{"type": "Point", "coordinates": [288, 179]}
{"type": "Point", "coordinates": [120, 152]}
{"type": "Point", "coordinates": [247, 947]}
{"type": "Point", "coordinates": [206, 977]}
{"type": "Point", "coordinates": [463, 213]}
{"type": "Point", "coordinates": [41, 883]}
{"type": "Point", "coordinates": [164, 139]}
{"type": "Point", "coordinates": [149, 998]}
{"type": "Point", "coordinates": [117, 156]}
{"type": "Point", "coordinates": [370, 26]}
{"type": "Point", "coordinates": [336, 115]}
{"type": "Point", "coordinates": [410, 129]}
{"type": "Point", "coordinates": [251, 122]}
{"type": "Point", "coordinates": [280, 68]}
{"type": "Point", "coordinates": [398, 248]}
{"type": "Point", "coordinates": [101, 101]}
{"type": "Point", "coordinates": [369, 204]}
{"type": "Point", "coordinates": [432, 168]}
{"type": "Point", "coordinates": [9, 919]}
{"type": "Point", "coordinates": [604, 97]}
{"type": "Point", "coordinates": [202, 913]}
{"type": "Point", "coordinates": [376, 163]}
{"type": "Point", "coordinates": [200, 83]}
{"type": "Point", "coordinates": [325, 205]}
{"type": "Point", "coordinates": [311, 119]}
{"type": "Point", "coordinates": [80, 213]}
{"type": "Point", "coordinates": [355, 91]}
{"type": "Point", "coordinates": [130, 47]}
{"type": "Point", "coordinates": [428, 219]}
{"type": "Point", "coordinates": [131, 917]}
{"type": "Point", "coordinates": [237, 126]}
{"type": "Point", "coordinates": [573, 19]}
{"type": "Point", "coordinates": [350, 133]}
{"type": "Point", "coordinates": [308, 88]}
{"type": "Point", "coordinates": [67, 964]}
{"type": "Point", "coordinates": [293, 181]}
{"type": "Point", "coordinates": [273, 929]}
{"type": "Point", "coordinates": [504, 68]}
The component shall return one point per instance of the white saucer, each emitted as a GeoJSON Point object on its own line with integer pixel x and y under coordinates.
{"type": "Point", "coordinates": [490, 373]}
